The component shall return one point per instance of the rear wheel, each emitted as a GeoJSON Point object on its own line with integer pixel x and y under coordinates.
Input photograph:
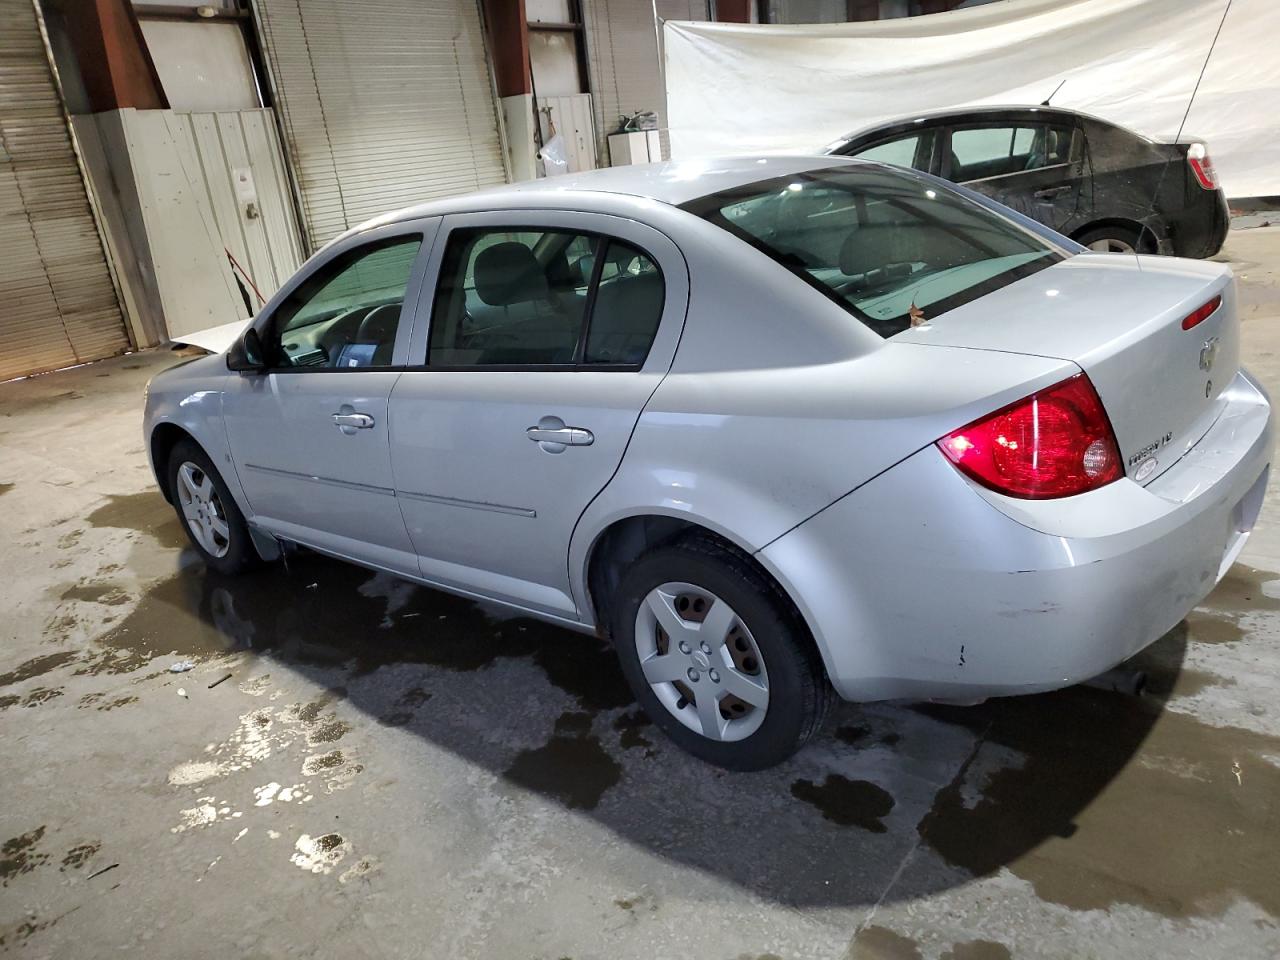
{"type": "Point", "coordinates": [1113, 238]}
{"type": "Point", "coordinates": [207, 511]}
{"type": "Point", "coordinates": [718, 656]}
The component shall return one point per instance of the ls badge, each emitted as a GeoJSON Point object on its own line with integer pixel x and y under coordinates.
{"type": "Point", "coordinates": [1208, 353]}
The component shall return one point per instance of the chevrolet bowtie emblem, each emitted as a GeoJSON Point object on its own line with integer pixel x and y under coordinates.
{"type": "Point", "coordinates": [1208, 353]}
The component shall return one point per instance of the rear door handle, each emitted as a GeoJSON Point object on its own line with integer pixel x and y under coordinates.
{"type": "Point", "coordinates": [1050, 192]}
{"type": "Point", "coordinates": [569, 436]}
{"type": "Point", "coordinates": [553, 436]}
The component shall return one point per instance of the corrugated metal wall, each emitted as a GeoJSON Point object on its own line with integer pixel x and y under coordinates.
{"type": "Point", "coordinates": [625, 66]}
{"type": "Point", "coordinates": [57, 302]}
{"type": "Point", "coordinates": [384, 103]}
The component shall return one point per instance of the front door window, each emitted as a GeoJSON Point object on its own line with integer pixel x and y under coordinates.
{"type": "Point", "coordinates": [346, 314]}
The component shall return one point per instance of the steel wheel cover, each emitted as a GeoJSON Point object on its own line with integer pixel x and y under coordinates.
{"type": "Point", "coordinates": [202, 508]}
{"type": "Point", "coordinates": [701, 661]}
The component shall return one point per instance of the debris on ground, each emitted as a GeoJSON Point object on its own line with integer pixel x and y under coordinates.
{"type": "Point", "coordinates": [182, 666]}
{"type": "Point", "coordinates": [224, 677]}
{"type": "Point", "coordinates": [182, 692]}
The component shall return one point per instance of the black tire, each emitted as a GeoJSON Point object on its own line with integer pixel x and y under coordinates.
{"type": "Point", "coordinates": [799, 694]}
{"type": "Point", "coordinates": [1114, 233]}
{"type": "Point", "coordinates": [240, 554]}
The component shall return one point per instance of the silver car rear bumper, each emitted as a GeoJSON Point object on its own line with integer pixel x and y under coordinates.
{"type": "Point", "coordinates": [921, 584]}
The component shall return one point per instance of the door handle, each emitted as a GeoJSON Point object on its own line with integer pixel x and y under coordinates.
{"type": "Point", "coordinates": [1050, 192]}
{"type": "Point", "coordinates": [553, 436]}
{"type": "Point", "coordinates": [569, 436]}
{"type": "Point", "coordinates": [353, 421]}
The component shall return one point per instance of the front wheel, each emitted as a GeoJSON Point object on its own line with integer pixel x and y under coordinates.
{"type": "Point", "coordinates": [207, 511]}
{"type": "Point", "coordinates": [717, 655]}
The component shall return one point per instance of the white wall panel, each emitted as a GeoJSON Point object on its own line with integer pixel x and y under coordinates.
{"type": "Point", "coordinates": [206, 184]}
{"type": "Point", "coordinates": [624, 60]}
{"type": "Point", "coordinates": [573, 120]}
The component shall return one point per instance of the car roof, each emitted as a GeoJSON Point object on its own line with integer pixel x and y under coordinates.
{"type": "Point", "coordinates": [672, 182]}
{"type": "Point", "coordinates": [993, 111]}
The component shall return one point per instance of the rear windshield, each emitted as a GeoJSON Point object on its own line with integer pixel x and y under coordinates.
{"type": "Point", "coordinates": [891, 249]}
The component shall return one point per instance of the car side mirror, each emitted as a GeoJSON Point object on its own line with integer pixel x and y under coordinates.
{"type": "Point", "coordinates": [245, 355]}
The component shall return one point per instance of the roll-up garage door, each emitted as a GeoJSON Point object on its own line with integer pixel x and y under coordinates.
{"type": "Point", "coordinates": [384, 103]}
{"type": "Point", "coordinates": [57, 303]}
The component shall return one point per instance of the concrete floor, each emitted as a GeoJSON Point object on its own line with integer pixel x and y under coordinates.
{"type": "Point", "coordinates": [389, 772]}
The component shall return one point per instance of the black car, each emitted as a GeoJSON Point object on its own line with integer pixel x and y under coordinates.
{"type": "Point", "coordinates": [1106, 187]}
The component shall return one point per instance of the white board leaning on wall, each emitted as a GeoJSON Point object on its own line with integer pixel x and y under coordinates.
{"type": "Point", "coordinates": [735, 89]}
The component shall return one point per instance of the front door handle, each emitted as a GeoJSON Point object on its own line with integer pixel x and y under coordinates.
{"type": "Point", "coordinates": [349, 421]}
{"type": "Point", "coordinates": [553, 436]}
{"type": "Point", "coordinates": [1050, 192]}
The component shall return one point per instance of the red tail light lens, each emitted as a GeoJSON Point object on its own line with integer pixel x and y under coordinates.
{"type": "Point", "coordinates": [1201, 314]}
{"type": "Point", "coordinates": [1202, 166]}
{"type": "Point", "coordinates": [1055, 443]}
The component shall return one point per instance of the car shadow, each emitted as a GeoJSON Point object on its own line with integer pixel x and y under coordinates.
{"type": "Point", "coordinates": [889, 802]}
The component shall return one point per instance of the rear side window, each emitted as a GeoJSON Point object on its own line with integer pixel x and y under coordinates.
{"type": "Point", "coordinates": [887, 246]}
{"type": "Point", "coordinates": [997, 151]}
{"type": "Point", "coordinates": [543, 298]}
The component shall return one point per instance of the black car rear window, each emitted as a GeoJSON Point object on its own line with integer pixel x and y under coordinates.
{"type": "Point", "coordinates": [890, 248]}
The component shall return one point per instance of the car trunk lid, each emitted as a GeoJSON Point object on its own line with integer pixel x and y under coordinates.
{"type": "Point", "coordinates": [1120, 319]}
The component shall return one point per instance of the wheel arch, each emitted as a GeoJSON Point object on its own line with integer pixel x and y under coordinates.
{"type": "Point", "coordinates": [1147, 237]}
{"type": "Point", "coordinates": [164, 438]}
{"type": "Point", "coordinates": [625, 539]}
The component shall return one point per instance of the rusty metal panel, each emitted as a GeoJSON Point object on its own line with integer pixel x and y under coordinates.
{"type": "Point", "coordinates": [60, 304]}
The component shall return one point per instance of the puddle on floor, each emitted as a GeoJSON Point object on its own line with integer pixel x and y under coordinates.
{"type": "Point", "coordinates": [37, 667]}
{"type": "Point", "coordinates": [849, 803]}
{"type": "Point", "coordinates": [1116, 802]}
{"type": "Point", "coordinates": [324, 612]}
{"type": "Point", "coordinates": [572, 767]}
{"type": "Point", "coordinates": [147, 512]}
{"type": "Point", "coordinates": [881, 943]}
{"type": "Point", "coordinates": [110, 594]}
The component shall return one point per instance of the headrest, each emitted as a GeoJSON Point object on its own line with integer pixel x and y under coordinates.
{"type": "Point", "coordinates": [508, 273]}
{"type": "Point", "coordinates": [379, 326]}
{"type": "Point", "coordinates": [865, 249]}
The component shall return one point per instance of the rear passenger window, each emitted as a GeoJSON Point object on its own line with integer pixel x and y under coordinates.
{"type": "Point", "coordinates": [981, 152]}
{"type": "Point", "coordinates": [627, 307]}
{"type": "Point", "coordinates": [540, 298]}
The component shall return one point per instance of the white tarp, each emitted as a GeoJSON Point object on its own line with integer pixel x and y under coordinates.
{"type": "Point", "coordinates": [734, 89]}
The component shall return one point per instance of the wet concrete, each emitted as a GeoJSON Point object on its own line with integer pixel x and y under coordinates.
{"type": "Point", "coordinates": [390, 771]}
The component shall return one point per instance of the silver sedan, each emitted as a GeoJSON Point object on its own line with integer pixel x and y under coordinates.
{"type": "Point", "coordinates": [781, 428]}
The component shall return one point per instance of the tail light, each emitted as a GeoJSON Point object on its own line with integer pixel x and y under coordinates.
{"type": "Point", "coordinates": [1055, 443]}
{"type": "Point", "coordinates": [1202, 166]}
